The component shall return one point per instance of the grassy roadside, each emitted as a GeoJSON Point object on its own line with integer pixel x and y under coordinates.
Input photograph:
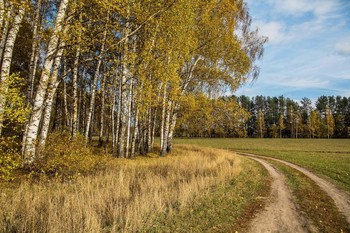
{"type": "Point", "coordinates": [328, 158]}
{"type": "Point", "coordinates": [314, 203]}
{"type": "Point", "coordinates": [227, 208]}
{"type": "Point", "coordinates": [129, 195]}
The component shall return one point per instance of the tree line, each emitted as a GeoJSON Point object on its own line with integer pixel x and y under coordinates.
{"type": "Point", "coordinates": [121, 70]}
{"type": "Point", "coordinates": [266, 117]}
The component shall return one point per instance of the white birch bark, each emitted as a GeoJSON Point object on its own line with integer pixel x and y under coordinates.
{"type": "Point", "coordinates": [136, 133]}
{"type": "Point", "coordinates": [153, 128]}
{"type": "Point", "coordinates": [65, 103]}
{"type": "Point", "coordinates": [162, 126]}
{"type": "Point", "coordinates": [123, 111]}
{"type": "Point", "coordinates": [113, 120]}
{"type": "Point", "coordinates": [172, 128]}
{"type": "Point", "coordinates": [102, 110]}
{"type": "Point", "coordinates": [2, 13]}
{"type": "Point", "coordinates": [75, 94]}
{"type": "Point", "coordinates": [136, 125]}
{"type": "Point", "coordinates": [149, 130]}
{"type": "Point", "coordinates": [75, 115]}
{"type": "Point", "coordinates": [35, 53]}
{"type": "Point", "coordinates": [4, 28]}
{"type": "Point", "coordinates": [166, 128]}
{"type": "Point", "coordinates": [113, 108]}
{"type": "Point", "coordinates": [119, 106]}
{"type": "Point", "coordinates": [29, 151]}
{"type": "Point", "coordinates": [83, 120]}
{"type": "Point", "coordinates": [127, 146]}
{"type": "Point", "coordinates": [93, 89]}
{"type": "Point", "coordinates": [7, 58]}
{"type": "Point", "coordinates": [51, 92]}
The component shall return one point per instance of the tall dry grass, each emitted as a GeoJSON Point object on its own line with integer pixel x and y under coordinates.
{"type": "Point", "coordinates": [127, 197]}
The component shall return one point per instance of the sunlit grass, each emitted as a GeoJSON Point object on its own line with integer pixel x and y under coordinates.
{"type": "Point", "coordinates": [313, 202]}
{"type": "Point", "coordinates": [226, 208]}
{"type": "Point", "coordinates": [129, 195]}
{"type": "Point", "coordinates": [329, 158]}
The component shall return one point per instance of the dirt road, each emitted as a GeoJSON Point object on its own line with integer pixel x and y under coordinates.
{"type": "Point", "coordinates": [280, 214]}
{"type": "Point", "coordinates": [340, 197]}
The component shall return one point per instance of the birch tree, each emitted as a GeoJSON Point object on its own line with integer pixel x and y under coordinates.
{"type": "Point", "coordinates": [94, 85]}
{"type": "Point", "coordinates": [29, 145]}
{"type": "Point", "coordinates": [51, 92]}
{"type": "Point", "coordinates": [18, 14]}
{"type": "Point", "coordinates": [35, 51]}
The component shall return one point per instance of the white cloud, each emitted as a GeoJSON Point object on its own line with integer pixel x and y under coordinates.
{"type": "Point", "coordinates": [306, 39]}
{"type": "Point", "coordinates": [343, 47]}
{"type": "Point", "coordinates": [319, 8]}
{"type": "Point", "coordinates": [274, 30]}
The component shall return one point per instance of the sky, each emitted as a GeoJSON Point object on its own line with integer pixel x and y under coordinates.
{"type": "Point", "coordinates": [308, 53]}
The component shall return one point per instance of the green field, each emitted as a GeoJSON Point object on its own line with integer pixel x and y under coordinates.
{"type": "Point", "coordinates": [326, 157]}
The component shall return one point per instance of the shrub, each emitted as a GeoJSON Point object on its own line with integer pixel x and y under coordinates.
{"type": "Point", "coordinates": [13, 116]}
{"type": "Point", "coordinates": [66, 158]}
{"type": "Point", "coordinates": [10, 158]}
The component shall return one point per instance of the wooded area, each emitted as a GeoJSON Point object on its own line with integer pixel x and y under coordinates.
{"type": "Point", "coordinates": [271, 117]}
{"type": "Point", "coordinates": [119, 69]}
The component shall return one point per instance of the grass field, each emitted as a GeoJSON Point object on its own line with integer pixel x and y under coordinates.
{"type": "Point", "coordinates": [140, 195]}
{"type": "Point", "coordinates": [314, 203]}
{"type": "Point", "coordinates": [329, 158]}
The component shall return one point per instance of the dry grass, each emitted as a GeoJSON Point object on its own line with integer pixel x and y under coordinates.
{"type": "Point", "coordinates": [326, 157]}
{"type": "Point", "coordinates": [127, 197]}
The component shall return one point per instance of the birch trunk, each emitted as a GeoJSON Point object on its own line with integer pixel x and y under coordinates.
{"type": "Point", "coordinates": [113, 108]}
{"type": "Point", "coordinates": [172, 128]}
{"type": "Point", "coordinates": [166, 128]}
{"type": "Point", "coordinates": [121, 142]}
{"type": "Point", "coordinates": [123, 111]}
{"type": "Point", "coordinates": [29, 151]}
{"type": "Point", "coordinates": [4, 29]}
{"type": "Point", "coordinates": [75, 94]}
{"type": "Point", "coordinates": [100, 140]}
{"type": "Point", "coordinates": [75, 117]}
{"type": "Point", "coordinates": [83, 120]}
{"type": "Point", "coordinates": [153, 128]}
{"type": "Point", "coordinates": [149, 131]}
{"type": "Point", "coordinates": [136, 133]}
{"type": "Point", "coordinates": [52, 88]}
{"type": "Point", "coordinates": [2, 13]}
{"type": "Point", "coordinates": [113, 121]}
{"type": "Point", "coordinates": [7, 59]}
{"type": "Point", "coordinates": [34, 54]}
{"type": "Point", "coordinates": [118, 115]}
{"type": "Point", "coordinates": [93, 89]}
{"type": "Point", "coordinates": [163, 124]}
{"type": "Point", "coordinates": [127, 146]}
{"type": "Point", "coordinates": [136, 127]}
{"type": "Point", "coordinates": [65, 103]}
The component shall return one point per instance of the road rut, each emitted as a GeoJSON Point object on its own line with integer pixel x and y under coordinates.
{"type": "Point", "coordinates": [340, 197]}
{"type": "Point", "coordinates": [280, 214]}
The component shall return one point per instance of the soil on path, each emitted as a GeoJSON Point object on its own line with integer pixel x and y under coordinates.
{"type": "Point", "coordinates": [280, 214]}
{"type": "Point", "coordinates": [341, 198]}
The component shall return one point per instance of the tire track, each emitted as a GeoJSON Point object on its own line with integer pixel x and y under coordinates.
{"type": "Point", "coordinates": [341, 198]}
{"type": "Point", "coordinates": [280, 214]}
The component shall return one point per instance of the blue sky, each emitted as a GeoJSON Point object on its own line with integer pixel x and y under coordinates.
{"type": "Point", "coordinates": [308, 53]}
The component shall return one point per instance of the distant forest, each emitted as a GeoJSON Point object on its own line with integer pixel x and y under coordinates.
{"type": "Point", "coordinates": [267, 117]}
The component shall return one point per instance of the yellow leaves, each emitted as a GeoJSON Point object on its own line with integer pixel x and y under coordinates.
{"type": "Point", "coordinates": [14, 117]}
{"type": "Point", "coordinates": [16, 110]}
